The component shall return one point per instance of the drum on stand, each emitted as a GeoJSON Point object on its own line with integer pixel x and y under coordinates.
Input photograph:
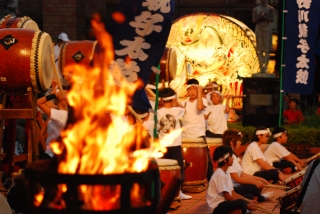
{"type": "Point", "coordinates": [76, 52]}
{"type": "Point", "coordinates": [196, 158]}
{"type": "Point", "coordinates": [24, 22]}
{"type": "Point", "coordinates": [213, 143]}
{"type": "Point", "coordinates": [295, 180]}
{"type": "Point", "coordinates": [168, 66]}
{"type": "Point", "coordinates": [288, 199]}
{"type": "Point", "coordinates": [168, 170]}
{"type": "Point", "coordinates": [25, 60]}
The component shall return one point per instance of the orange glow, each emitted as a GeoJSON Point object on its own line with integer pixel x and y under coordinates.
{"type": "Point", "coordinates": [38, 198]}
{"type": "Point", "coordinates": [118, 17]}
{"type": "Point", "coordinates": [101, 141]}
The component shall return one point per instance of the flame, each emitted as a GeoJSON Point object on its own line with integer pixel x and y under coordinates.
{"type": "Point", "coordinates": [101, 141]}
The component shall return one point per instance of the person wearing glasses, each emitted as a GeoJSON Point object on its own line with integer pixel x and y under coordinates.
{"type": "Point", "coordinates": [255, 163]}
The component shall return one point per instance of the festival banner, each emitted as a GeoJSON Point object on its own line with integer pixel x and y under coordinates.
{"type": "Point", "coordinates": [142, 38]}
{"type": "Point", "coordinates": [301, 29]}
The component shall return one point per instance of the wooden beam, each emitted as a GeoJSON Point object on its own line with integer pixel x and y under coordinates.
{"type": "Point", "coordinates": [16, 113]}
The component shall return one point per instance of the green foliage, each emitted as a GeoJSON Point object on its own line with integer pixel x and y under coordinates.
{"type": "Point", "coordinates": [297, 134]}
{"type": "Point", "coordinates": [306, 133]}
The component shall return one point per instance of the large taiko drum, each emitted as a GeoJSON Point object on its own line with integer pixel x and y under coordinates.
{"type": "Point", "coordinates": [24, 22]}
{"type": "Point", "coordinates": [79, 52]}
{"type": "Point", "coordinates": [25, 60]}
{"type": "Point", "coordinates": [168, 170]}
{"type": "Point", "coordinates": [288, 199]}
{"type": "Point", "coordinates": [213, 143]}
{"type": "Point", "coordinates": [196, 157]}
{"type": "Point", "coordinates": [168, 65]}
{"type": "Point", "coordinates": [295, 180]}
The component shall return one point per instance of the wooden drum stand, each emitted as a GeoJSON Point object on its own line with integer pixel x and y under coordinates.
{"type": "Point", "coordinates": [8, 136]}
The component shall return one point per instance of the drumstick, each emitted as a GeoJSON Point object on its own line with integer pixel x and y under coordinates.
{"type": "Point", "coordinates": [276, 186]}
{"type": "Point", "coordinates": [259, 207]}
{"type": "Point", "coordinates": [313, 157]}
{"type": "Point", "coordinates": [149, 91]}
{"type": "Point", "coordinates": [134, 114]}
{"type": "Point", "coordinates": [56, 74]}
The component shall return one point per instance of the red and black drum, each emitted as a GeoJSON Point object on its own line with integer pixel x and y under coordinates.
{"type": "Point", "coordinates": [295, 180]}
{"type": "Point", "coordinates": [213, 143]}
{"type": "Point", "coordinates": [168, 170]}
{"type": "Point", "coordinates": [196, 157]}
{"type": "Point", "coordinates": [79, 52]}
{"type": "Point", "coordinates": [288, 199]}
{"type": "Point", "coordinates": [24, 22]}
{"type": "Point", "coordinates": [25, 60]}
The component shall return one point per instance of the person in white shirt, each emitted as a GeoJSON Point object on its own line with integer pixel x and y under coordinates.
{"type": "Point", "coordinates": [193, 121]}
{"type": "Point", "coordinates": [243, 183]}
{"type": "Point", "coordinates": [255, 163]}
{"type": "Point", "coordinates": [215, 114]}
{"type": "Point", "coordinates": [58, 116]}
{"type": "Point", "coordinates": [62, 39]}
{"type": "Point", "coordinates": [169, 121]}
{"type": "Point", "coordinates": [221, 198]}
{"type": "Point", "coordinates": [279, 156]}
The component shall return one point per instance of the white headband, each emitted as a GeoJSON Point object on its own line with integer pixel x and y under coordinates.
{"type": "Point", "coordinates": [279, 134]}
{"type": "Point", "coordinates": [265, 131]}
{"type": "Point", "coordinates": [188, 86]}
{"type": "Point", "coordinates": [224, 157]}
{"type": "Point", "coordinates": [217, 92]}
{"type": "Point", "coordinates": [169, 98]}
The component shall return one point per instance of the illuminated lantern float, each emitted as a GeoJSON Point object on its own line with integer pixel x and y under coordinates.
{"type": "Point", "coordinates": [211, 47]}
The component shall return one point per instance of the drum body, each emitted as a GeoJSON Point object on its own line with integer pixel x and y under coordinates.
{"type": "Point", "coordinates": [288, 199]}
{"type": "Point", "coordinates": [168, 66]}
{"type": "Point", "coordinates": [25, 60]}
{"type": "Point", "coordinates": [213, 143]}
{"type": "Point", "coordinates": [79, 52]}
{"type": "Point", "coordinates": [24, 22]}
{"type": "Point", "coordinates": [168, 170]}
{"type": "Point", "coordinates": [195, 155]}
{"type": "Point", "coordinates": [295, 180]}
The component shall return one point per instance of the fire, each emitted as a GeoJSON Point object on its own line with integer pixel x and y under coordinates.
{"type": "Point", "coordinates": [101, 141]}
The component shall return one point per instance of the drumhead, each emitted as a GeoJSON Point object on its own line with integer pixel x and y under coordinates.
{"type": "Point", "coordinates": [295, 176]}
{"type": "Point", "coordinates": [166, 162]}
{"type": "Point", "coordinates": [30, 24]}
{"type": "Point", "coordinates": [192, 140]}
{"type": "Point", "coordinates": [215, 141]}
{"type": "Point", "coordinates": [173, 62]}
{"type": "Point", "coordinates": [41, 69]}
{"type": "Point", "coordinates": [24, 22]}
{"type": "Point", "coordinates": [4, 206]}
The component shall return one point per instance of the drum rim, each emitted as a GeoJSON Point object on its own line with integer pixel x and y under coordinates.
{"type": "Point", "coordinates": [166, 161]}
{"type": "Point", "coordinates": [293, 190]}
{"type": "Point", "coordinates": [36, 62]}
{"type": "Point", "coordinates": [4, 19]}
{"type": "Point", "coordinates": [295, 176]}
